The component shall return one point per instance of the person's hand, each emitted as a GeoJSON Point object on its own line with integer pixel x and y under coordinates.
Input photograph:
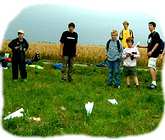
{"type": "Point", "coordinates": [149, 53]}
{"type": "Point", "coordinates": [128, 55]}
{"type": "Point", "coordinates": [162, 56]}
{"type": "Point", "coordinates": [16, 48]}
{"type": "Point", "coordinates": [24, 49]}
{"type": "Point", "coordinates": [61, 55]}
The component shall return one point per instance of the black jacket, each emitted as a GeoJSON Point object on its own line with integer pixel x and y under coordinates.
{"type": "Point", "coordinates": [18, 54]}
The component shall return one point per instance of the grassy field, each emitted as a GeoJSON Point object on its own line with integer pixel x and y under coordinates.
{"type": "Point", "coordinates": [60, 105]}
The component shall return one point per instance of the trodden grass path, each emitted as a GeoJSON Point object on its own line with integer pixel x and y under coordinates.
{"type": "Point", "coordinates": [60, 105]}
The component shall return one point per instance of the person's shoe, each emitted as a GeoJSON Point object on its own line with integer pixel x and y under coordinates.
{"type": "Point", "coordinates": [128, 86]}
{"type": "Point", "coordinates": [70, 79]}
{"type": "Point", "coordinates": [15, 80]}
{"type": "Point", "coordinates": [109, 84]}
{"type": "Point", "coordinates": [137, 86]}
{"type": "Point", "coordinates": [116, 86]}
{"type": "Point", "coordinates": [63, 78]}
{"type": "Point", "coordinates": [152, 86]}
{"type": "Point", "coordinates": [24, 80]}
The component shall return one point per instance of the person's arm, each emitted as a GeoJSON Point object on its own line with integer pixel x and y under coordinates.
{"type": "Point", "coordinates": [76, 43]}
{"type": "Point", "coordinates": [121, 35]}
{"type": "Point", "coordinates": [142, 46]}
{"type": "Point", "coordinates": [26, 45]}
{"type": "Point", "coordinates": [162, 55]}
{"type": "Point", "coordinates": [124, 54]}
{"type": "Point", "coordinates": [154, 48]}
{"type": "Point", "coordinates": [62, 39]}
{"type": "Point", "coordinates": [157, 38]}
{"type": "Point", "coordinates": [121, 49]}
{"type": "Point", "coordinates": [11, 45]}
{"type": "Point", "coordinates": [61, 49]}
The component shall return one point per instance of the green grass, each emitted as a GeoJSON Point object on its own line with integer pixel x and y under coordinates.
{"type": "Point", "coordinates": [44, 94]}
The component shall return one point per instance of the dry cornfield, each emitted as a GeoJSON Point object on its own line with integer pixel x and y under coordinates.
{"type": "Point", "coordinates": [85, 53]}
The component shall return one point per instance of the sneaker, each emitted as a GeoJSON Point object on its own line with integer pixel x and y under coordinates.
{"type": "Point", "coordinates": [116, 86]}
{"type": "Point", "coordinates": [24, 80]}
{"type": "Point", "coordinates": [63, 78]}
{"type": "Point", "coordinates": [70, 79]}
{"type": "Point", "coordinates": [137, 86]}
{"type": "Point", "coordinates": [152, 86]}
{"type": "Point", "coordinates": [109, 84]}
{"type": "Point", "coordinates": [15, 80]}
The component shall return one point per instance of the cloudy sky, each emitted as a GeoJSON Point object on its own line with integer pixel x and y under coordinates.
{"type": "Point", "coordinates": [47, 22]}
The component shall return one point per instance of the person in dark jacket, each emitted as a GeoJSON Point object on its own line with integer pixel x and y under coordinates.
{"type": "Point", "coordinates": [68, 43]}
{"type": "Point", "coordinates": [19, 46]}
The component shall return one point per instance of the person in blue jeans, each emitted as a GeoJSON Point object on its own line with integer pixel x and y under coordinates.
{"type": "Point", "coordinates": [114, 55]}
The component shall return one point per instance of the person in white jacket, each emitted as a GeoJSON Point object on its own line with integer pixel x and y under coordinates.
{"type": "Point", "coordinates": [130, 56]}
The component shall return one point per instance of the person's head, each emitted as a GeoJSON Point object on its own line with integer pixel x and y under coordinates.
{"type": "Point", "coordinates": [71, 27]}
{"type": "Point", "coordinates": [20, 34]}
{"type": "Point", "coordinates": [130, 42]}
{"type": "Point", "coordinates": [114, 34]}
{"type": "Point", "coordinates": [125, 24]}
{"type": "Point", "coordinates": [151, 26]}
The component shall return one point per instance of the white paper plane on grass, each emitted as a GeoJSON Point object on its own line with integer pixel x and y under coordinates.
{"type": "Point", "coordinates": [113, 101]}
{"type": "Point", "coordinates": [36, 66]}
{"type": "Point", "coordinates": [89, 107]}
{"type": "Point", "coordinates": [18, 113]}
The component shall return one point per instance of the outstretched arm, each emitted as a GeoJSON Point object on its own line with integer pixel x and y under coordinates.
{"type": "Point", "coordinates": [142, 46]}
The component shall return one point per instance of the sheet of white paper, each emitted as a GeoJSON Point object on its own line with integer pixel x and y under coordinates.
{"type": "Point", "coordinates": [81, 65]}
{"type": "Point", "coordinates": [112, 101]}
{"type": "Point", "coordinates": [89, 107]}
{"type": "Point", "coordinates": [36, 66]}
{"type": "Point", "coordinates": [18, 113]}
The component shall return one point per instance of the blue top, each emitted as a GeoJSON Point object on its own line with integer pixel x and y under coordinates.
{"type": "Point", "coordinates": [113, 52]}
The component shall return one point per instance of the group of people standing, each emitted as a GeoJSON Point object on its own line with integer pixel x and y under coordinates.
{"type": "Point", "coordinates": [127, 54]}
{"type": "Point", "coordinates": [118, 50]}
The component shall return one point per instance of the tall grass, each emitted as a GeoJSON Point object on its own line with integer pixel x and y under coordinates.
{"type": "Point", "coordinates": [85, 53]}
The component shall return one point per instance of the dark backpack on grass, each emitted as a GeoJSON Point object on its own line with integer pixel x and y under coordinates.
{"type": "Point", "coordinates": [118, 45]}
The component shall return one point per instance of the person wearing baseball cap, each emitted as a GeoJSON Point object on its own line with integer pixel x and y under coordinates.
{"type": "Point", "coordinates": [21, 31]}
{"type": "Point", "coordinates": [19, 46]}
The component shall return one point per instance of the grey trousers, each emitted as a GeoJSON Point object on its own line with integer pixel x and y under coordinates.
{"type": "Point", "coordinates": [67, 68]}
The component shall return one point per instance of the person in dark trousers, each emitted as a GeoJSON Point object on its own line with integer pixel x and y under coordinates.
{"type": "Point", "coordinates": [19, 46]}
{"type": "Point", "coordinates": [68, 43]}
{"type": "Point", "coordinates": [152, 52]}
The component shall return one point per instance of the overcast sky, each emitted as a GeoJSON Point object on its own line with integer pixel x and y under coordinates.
{"type": "Point", "coordinates": [47, 22]}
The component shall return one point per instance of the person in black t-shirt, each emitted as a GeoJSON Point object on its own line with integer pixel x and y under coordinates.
{"type": "Point", "coordinates": [68, 51]}
{"type": "Point", "coordinates": [152, 52]}
{"type": "Point", "coordinates": [19, 46]}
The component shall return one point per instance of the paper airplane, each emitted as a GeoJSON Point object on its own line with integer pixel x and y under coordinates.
{"type": "Point", "coordinates": [36, 66]}
{"type": "Point", "coordinates": [18, 113]}
{"type": "Point", "coordinates": [112, 101]}
{"type": "Point", "coordinates": [89, 107]}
